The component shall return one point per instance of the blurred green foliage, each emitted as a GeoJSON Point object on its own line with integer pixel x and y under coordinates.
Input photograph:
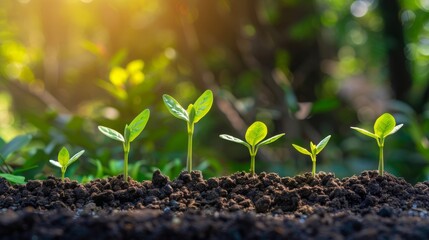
{"type": "Point", "coordinates": [308, 68]}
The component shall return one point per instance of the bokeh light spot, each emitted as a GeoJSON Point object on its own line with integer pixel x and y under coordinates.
{"type": "Point", "coordinates": [359, 8]}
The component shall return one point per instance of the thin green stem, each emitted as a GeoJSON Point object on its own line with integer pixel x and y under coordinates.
{"type": "Point", "coordinates": [126, 152]}
{"type": "Point", "coordinates": [252, 164]}
{"type": "Point", "coordinates": [189, 158]}
{"type": "Point", "coordinates": [381, 162]}
{"type": "Point", "coordinates": [381, 156]}
{"type": "Point", "coordinates": [313, 170]}
{"type": "Point", "coordinates": [63, 172]}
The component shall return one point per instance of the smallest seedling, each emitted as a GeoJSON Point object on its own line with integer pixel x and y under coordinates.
{"type": "Point", "coordinates": [314, 150]}
{"type": "Point", "coordinates": [254, 135]}
{"type": "Point", "coordinates": [64, 160]}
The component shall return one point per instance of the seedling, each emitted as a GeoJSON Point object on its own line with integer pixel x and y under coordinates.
{"type": "Point", "coordinates": [131, 132]}
{"type": "Point", "coordinates": [254, 135]}
{"type": "Point", "coordinates": [192, 115]}
{"type": "Point", "coordinates": [64, 160]}
{"type": "Point", "coordinates": [314, 150]}
{"type": "Point", "coordinates": [384, 126]}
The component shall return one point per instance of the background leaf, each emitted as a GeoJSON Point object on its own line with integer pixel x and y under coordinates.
{"type": "Point", "coordinates": [203, 104]}
{"type": "Point", "coordinates": [175, 108]}
{"type": "Point", "coordinates": [256, 133]}
{"type": "Point", "coordinates": [14, 145]}
{"type": "Point", "coordinates": [13, 178]}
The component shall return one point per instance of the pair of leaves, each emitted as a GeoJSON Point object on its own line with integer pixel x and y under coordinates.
{"type": "Point", "coordinates": [195, 112]}
{"type": "Point", "coordinates": [254, 135]}
{"type": "Point", "coordinates": [314, 149]}
{"type": "Point", "coordinates": [64, 159]}
{"type": "Point", "coordinates": [384, 126]}
{"type": "Point", "coordinates": [131, 131]}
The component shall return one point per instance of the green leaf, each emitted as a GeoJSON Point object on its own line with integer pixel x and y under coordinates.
{"type": "Point", "coordinates": [301, 150]}
{"type": "Point", "coordinates": [13, 178]}
{"type": "Point", "coordinates": [395, 129]}
{"type": "Point", "coordinates": [313, 148]}
{"type": "Point", "coordinates": [75, 157]}
{"type": "Point", "coordinates": [14, 145]}
{"type": "Point", "coordinates": [365, 132]}
{"type": "Point", "coordinates": [138, 124]}
{"type": "Point", "coordinates": [175, 108]}
{"type": "Point", "coordinates": [271, 139]}
{"type": "Point", "coordinates": [203, 104]}
{"type": "Point", "coordinates": [256, 133]}
{"type": "Point", "coordinates": [384, 125]}
{"type": "Point", "coordinates": [63, 157]}
{"type": "Point", "coordinates": [233, 139]}
{"type": "Point", "coordinates": [191, 113]}
{"type": "Point", "coordinates": [322, 144]}
{"type": "Point", "coordinates": [127, 133]}
{"type": "Point", "coordinates": [113, 134]}
{"type": "Point", "coordinates": [55, 163]}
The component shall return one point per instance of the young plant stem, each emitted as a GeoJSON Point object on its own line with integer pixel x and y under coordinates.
{"type": "Point", "coordinates": [126, 152]}
{"type": "Point", "coordinates": [252, 164]}
{"type": "Point", "coordinates": [189, 158]}
{"type": "Point", "coordinates": [313, 172]}
{"type": "Point", "coordinates": [313, 169]}
{"type": "Point", "coordinates": [381, 157]}
{"type": "Point", "coordinates": [63, 172]}
{"type": "Point", "coordinates": [126, 166]}
{"type": "Point", "coordinates": [252, 160]}
{"type": "Point", "coordinates": [381, 162]}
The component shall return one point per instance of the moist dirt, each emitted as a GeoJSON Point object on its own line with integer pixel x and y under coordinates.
{"type": "Point", "coordinates": [239, 206]}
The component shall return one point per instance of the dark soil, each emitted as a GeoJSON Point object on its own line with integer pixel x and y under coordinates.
{"type": "Point", "coordinates": [239, 206]}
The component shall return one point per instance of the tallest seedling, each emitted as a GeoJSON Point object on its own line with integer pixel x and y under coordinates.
{"type": "Point", "coordinates": [131, 132]}
{"type": "Point", "coordinates": [384, 126]}
{"type": "Point", "coordinates": [192, 115]}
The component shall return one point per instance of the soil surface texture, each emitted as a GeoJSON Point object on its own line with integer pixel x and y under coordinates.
{"type": "Point", "coordinates": [239, 206]}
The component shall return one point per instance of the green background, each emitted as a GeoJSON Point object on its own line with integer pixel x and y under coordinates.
{"type": "Point", "coordinates": [306, 68]}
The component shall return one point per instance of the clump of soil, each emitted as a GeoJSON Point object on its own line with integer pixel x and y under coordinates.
{"type": "Point", "coordinates": [263, 193]}
{"type": "Point", "coordinates": [259, 206]}
{"type": "Point", "coordinates": [153, 224]}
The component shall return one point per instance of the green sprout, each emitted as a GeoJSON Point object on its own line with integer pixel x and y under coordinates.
{"type": "Point", "coordinates": [192, 115]}
{"type": "Point", "coordinates": [384, 126]}
{"type": "Point", "coordinates": [64, 160]}
{"type": "Point", "coordinates": [131, 132]}
{"type": "Point", "coordinates": [254, 135]}
{"type": "Point", "coordinates": [314, 150]}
